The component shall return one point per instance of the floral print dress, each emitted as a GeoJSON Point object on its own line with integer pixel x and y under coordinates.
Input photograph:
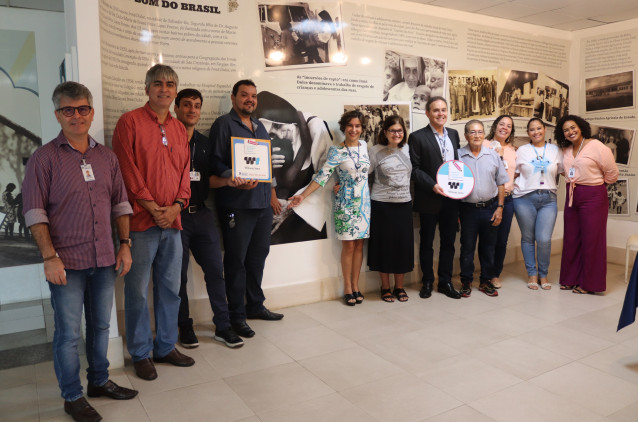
{"type": "Point", "coordinates": [352, 205]}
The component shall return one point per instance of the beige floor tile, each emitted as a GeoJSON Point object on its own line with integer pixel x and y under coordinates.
{"type": "Point", "coordinates": [468, 379]}
{"type": "Point", "coordinates": [620, 361]}
{"type": "Point", "coordinates": [464, 334]}
{"type": "Point", "coordinates": [400, 398]}
{"type": "Point", "coordinates": [15, 377]}
{"type": "Point", "coordinates": [546, 308]}
{"type": "Point", "coordinates": [626, 414]}
{"type": "Point", "coordinates": [44, 370]}
{"type": "Point", "coordinates": [213, 400]}
{"type": "Point", "coordinates": [378, 325]}
{"type": "Point", "coordinates": [421, 311]}
{"type": "Point", "coordinates": [350, 367]}
{"type": "Point", "coordinates": [333, 311]}
{"type": "Point", "coordinates": [593, 389]}
{"type": "Point", "coordinates": [50, 403]}
{"type": "Point", "coordinates": [510, 321]}
{"type": "Point", "coordinates": [256, 353]}
{"type": "Point", "coordinates": [274, 387]}
{"type": "Point", "coordinates": [294, 319]}
{"type": "Point", "coordinates": [525, 402]}
{"type": "Point", "coordinates": [461, 413]}
{"type": "Point", "coordinates": [250, 419]}
{"type": "Point", "coordinates": [471, 306]}
{"type": "Point", "coordinates": [565, 341]}
{"type": "Point", "coordinates": [333, 408]}
{"type": "Point", "coordinates": [19, 403]}
{"type": "Point", "coordinates": [521, 359]}
{"type": "Point", "coordinates": [603, 324]}
{"type": "Point", "coordinates": [309, 342]}
{"type": "Point", "coordinates": [123, 411]}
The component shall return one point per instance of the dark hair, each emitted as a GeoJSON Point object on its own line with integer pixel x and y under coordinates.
{"type": "Point", "coordinates": [510, 139]}
{"type": "Point", "coordinates": [160, 71]}
{"type": "Point", "coordinates": [472, 122]}
{"type": "Point", "coordinates": [536, 119]}
{"type": "Point", "coordinates": [188, 93]}
{"type": "Point", "coordinates": [387, 123]}
{"type": "Point", "coordinates": [349, 115]}
{"type": "Point", "coordinates": [10, 187]}
{"type": "Point", "coordinates": [242, 82]}
{"type": "Point", "coordinates": [72, 90]}
{"type": "Point", "coordinates": [583, 125]}
{"type": "Point", "coordinates": [433, 99]}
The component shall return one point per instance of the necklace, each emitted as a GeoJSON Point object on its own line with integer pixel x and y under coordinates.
{"type": "Point", "coordinates": [357, 163]}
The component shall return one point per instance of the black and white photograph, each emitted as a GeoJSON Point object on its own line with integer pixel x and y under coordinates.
{"type": "Point", "coordinates": [302, 34]}
{"type": "Point", "coordinates": [609, 92]}
{"type": "Point", "coordinates": [299, 142]}
{"type": "Point", "coordinates": [618, 196]}
{"type": "Point", "coordinates": [552, 99]}
{"type": "Point", "coordinates": [517, 91]}
{"type": "Point", "coordinates": [375, 114]}
{"type": "Point", "coordinates": [407, 77]}
{"type": "Point", "coordinates": [472, 94]}
{"type": "Point", "coordinates": [618, 140]}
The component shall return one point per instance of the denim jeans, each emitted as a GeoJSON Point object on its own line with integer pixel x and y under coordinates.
{"type": "Point", "coordinates": [503, 235]}
{"type": "Point", "coordinates": [536, 215]}
{"type": "Point", "coordinates": [91, 289]}
{"type": "Point", "coordinates": [160, 250]}
{"type": "Point", "coordinates": [476, 225]}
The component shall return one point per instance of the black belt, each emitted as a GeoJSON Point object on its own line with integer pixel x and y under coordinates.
{"type": "Point", "coordinates": [481, 204]}
{"type": "Point", "coordinates": [192, 209]}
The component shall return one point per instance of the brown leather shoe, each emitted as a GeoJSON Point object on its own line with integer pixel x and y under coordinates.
{"type": "Point", "coordinates": [145, 369]}
{"type": "Point", "coordinates": [81, 411]}
{"type": "Point", "coordinates": [175, 357]}
{"type": "Point", "coordinates": [111, 390]}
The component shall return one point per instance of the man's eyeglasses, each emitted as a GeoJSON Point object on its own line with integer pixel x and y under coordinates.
{"type": "Point", "coordinates": [476, 132]}
{"type": "Point", "coordinates": [84, 110]}
{"type": "Point", "coordinates": [164, 140]}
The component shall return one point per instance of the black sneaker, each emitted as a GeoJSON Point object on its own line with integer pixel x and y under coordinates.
{"type": "Point", "coordinates": [187, 337]}
{"type": "Point", "coordinates": [488, 288]}
{"type": "Point", "coordinates": [229, 338]}
{"type": "Point", "coordinates": [466, 290]}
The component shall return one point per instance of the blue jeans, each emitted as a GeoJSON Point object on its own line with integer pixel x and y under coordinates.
{"type": "Point", "coordinates": [503, 234]}
{"type": "Point", "coordinates": [91, 289]}
{"type": "Point", "coordinates": [160, 250]}
{"type": "Point", "coordinates": [476, 225]}
{"type": "Point", "coordinates": [536, 215]}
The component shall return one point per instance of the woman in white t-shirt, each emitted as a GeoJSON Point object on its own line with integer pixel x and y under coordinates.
{"type": "Point", "coordinates": [537, 166]}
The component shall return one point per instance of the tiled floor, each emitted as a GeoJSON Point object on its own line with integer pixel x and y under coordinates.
{"type": "Point", "coordinates": [523, 356]}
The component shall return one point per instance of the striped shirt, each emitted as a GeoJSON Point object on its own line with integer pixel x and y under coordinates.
{"type": "Point", "coordinates": [152, 170]}
{"type": "Point", "coordinates": [78, 212]}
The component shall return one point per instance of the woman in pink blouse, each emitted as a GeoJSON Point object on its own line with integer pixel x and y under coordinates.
{"type": "Point", "coordinates": [589, 165]}
{"type": "Point", "coordinates": [500, 140]}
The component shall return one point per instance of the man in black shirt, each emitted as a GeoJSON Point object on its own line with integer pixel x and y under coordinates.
{"type": "Point", "coordinates": [200, 234]}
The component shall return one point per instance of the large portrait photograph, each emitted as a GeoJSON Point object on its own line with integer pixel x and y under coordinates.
{"type": "Point", "coordinates": [301, 34]}
{"type": "Point", "coordinates": [619, 140]}
{"type": "Point", "coordinates": [609, 92]}
{"type": "Point", "coordinates": [375, 114]}
{"type": "Point", "coordinates": [618, 196]}
{"type": "Point", "coordinates": [413, 78]}
{"type": "Point", "coordinates": [517, 92]}
{"type": "Point", "coordinates": [300, 141]}
{"type": "Point", "coordinates": [472, 94]}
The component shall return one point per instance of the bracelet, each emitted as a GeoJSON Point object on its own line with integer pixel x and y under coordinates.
{"type": "Point", "coordinates": [48, 258]}
{"type": "Point", "coordinates": [500, 206]}
{"type": "Point", "coordinates": [180, 203]}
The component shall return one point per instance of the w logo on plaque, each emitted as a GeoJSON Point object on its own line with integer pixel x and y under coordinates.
{"type": "Point", "coordinates": [251, 160]}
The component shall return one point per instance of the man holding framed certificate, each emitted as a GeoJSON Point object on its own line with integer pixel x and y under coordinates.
{"type": "Point", "coordinates": [245, 214]}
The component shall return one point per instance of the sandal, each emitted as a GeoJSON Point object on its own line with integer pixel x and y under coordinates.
{"type": "Point", "coordinates": [532, 282]}
{"type": "Point", "coordinates": [565, 287]}
{"type": "Point", "coordinates": [349, 299]}
{"type": "Point", "coordinates": [386, 295]}
{"type": "Point", "coordinates": [577, 290]}
{"type": "Point", "coordinates": [400, 294]}
{"type": "Point", "coordinates": [358, 297]}
{"type": "Point", "coordinates": [545, 285]}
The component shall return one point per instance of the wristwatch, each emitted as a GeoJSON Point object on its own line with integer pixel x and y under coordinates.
{"type": "Point", "coordinates": [180, 203]}
{"type": "Point", "coordinates": [500, 206]}
{"type": "Point", "coordinates": [126, 241]}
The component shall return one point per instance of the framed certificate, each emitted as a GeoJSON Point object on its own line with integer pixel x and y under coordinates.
{"type": "Point", "coordinates": [251, 159]}
{"type": "Point", "coordinates": [456, 179]}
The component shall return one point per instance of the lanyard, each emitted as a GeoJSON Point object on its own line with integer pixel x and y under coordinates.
{"type": "Point", "coordinates": [540, 161]}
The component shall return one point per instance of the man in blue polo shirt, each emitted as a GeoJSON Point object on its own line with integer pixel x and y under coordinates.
{"type": "Point", "coordinates": [245, 215]}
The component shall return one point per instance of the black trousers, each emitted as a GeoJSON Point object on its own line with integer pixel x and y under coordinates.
{"type": "Point", "coordinates": [246, 246]}
{"type": "Point", "coordinates": [201, 237]}
{"type": "Point", "coordinates": [447, 219]}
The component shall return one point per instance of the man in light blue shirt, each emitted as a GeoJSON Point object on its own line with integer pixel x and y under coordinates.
{"type": "Point", "coordinates": [482, 211]}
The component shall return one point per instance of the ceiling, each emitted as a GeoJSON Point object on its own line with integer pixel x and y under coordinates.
{"type": "Point", "coordinates": [568, 15]}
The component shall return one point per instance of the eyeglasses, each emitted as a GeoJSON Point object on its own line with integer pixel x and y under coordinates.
{"type": "Point", "coordinates": [164, 140]}
{"type": "Point", "coordinates": [396, 132]}
{"type": "Point", "coordinates": [84, 110]}
{"type": "Point", "coordinates": [476, 132]}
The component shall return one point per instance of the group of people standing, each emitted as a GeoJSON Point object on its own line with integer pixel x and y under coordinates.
{"type": "Point", "coordinates": [472, 96]}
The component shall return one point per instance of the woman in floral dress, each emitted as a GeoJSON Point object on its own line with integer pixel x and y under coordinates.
{"type": "Point", "coordinates": [352, 205]}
